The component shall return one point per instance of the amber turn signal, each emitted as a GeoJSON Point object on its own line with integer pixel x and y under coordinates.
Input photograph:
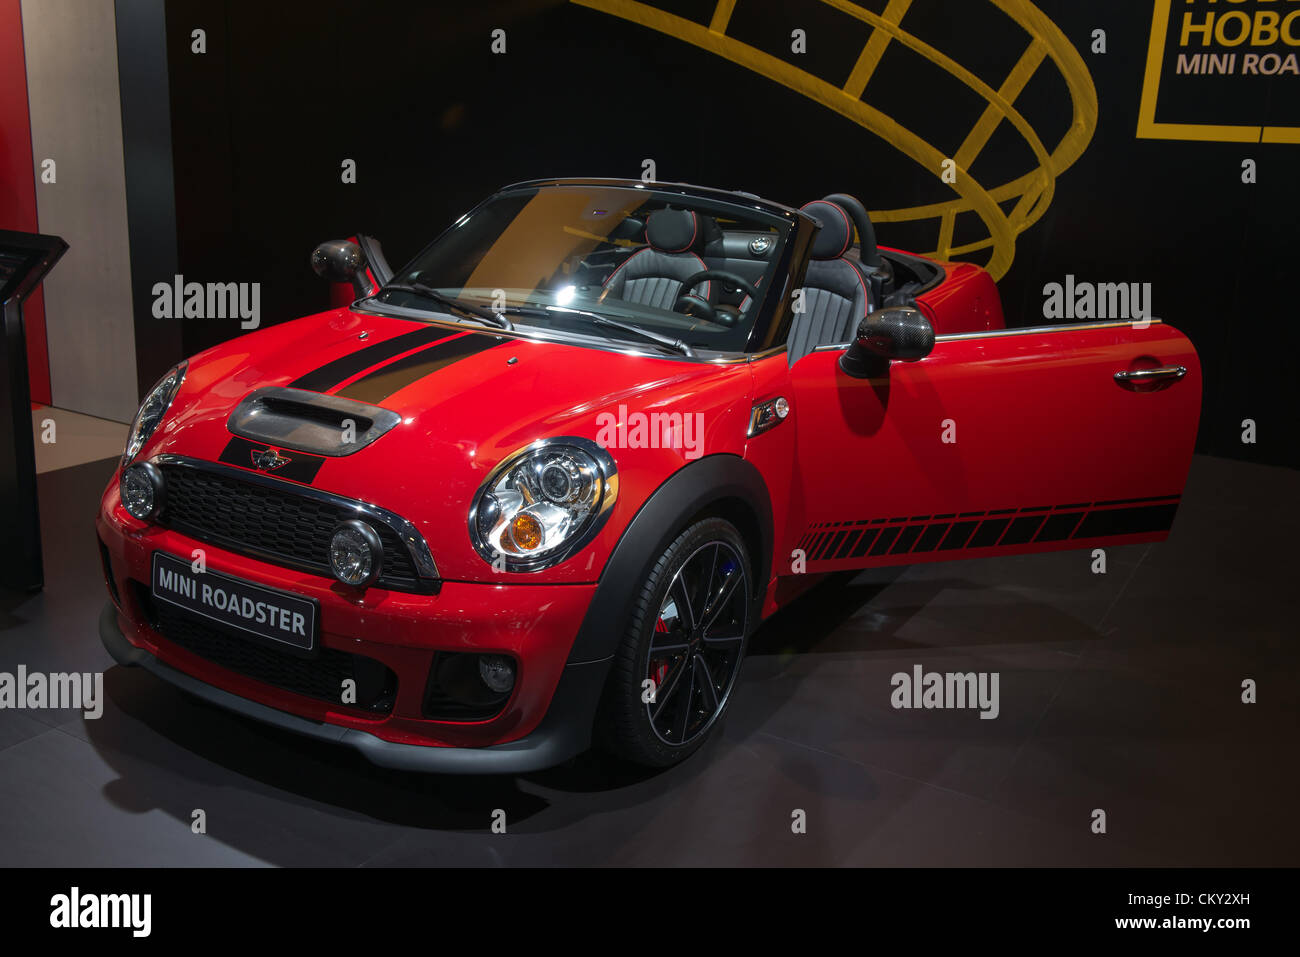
{"type": "Point", "coordinates": [526, 531]}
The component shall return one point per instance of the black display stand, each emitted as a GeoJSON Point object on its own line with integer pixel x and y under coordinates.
{"type": "Point", "coordinates": [25, 258]}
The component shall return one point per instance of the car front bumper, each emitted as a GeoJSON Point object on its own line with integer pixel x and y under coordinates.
{"type": "Point", "coordinates": [547, 719]}
{"type": "Point", "coordinates": [564, 732]}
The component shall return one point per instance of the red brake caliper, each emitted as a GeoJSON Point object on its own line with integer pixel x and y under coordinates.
{"type": "Point", "coordinates": [659, 666]}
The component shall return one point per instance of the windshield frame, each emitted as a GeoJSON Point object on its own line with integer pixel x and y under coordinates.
{"type": "Point", "coordinates": [767, 331]}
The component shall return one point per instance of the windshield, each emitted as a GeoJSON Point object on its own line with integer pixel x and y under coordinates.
{"type": "Point", "coordinates": [658, 269]}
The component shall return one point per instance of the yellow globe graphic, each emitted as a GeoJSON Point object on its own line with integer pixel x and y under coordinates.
{"type": "Point", "coordinates": [1031, 192]}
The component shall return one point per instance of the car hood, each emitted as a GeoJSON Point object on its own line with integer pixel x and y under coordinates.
{"type": "Point", "coordinates": [467, 399]}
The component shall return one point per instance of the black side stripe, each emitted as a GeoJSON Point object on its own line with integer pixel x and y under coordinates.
{"type": "Point", "coordinates": [829, 541]}
{"type": "Point", "coordinates": [383, 382]}
{"type": "Point", "coordinates": [340, 370]}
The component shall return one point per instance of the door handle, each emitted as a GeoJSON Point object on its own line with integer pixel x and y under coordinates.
{"type": "Point", "coordinates": [1151, 375]}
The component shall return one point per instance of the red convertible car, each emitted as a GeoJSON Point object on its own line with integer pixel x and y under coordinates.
{"type": "Point", "coordinates": [534, 491]}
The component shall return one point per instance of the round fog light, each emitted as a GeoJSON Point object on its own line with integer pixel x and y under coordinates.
{"type": "Point", "coordinates": [356, 554]}
{"type": "Point", "coordinates": [497, 672]}
{"type": "Point", "coordinates": [141, 490]}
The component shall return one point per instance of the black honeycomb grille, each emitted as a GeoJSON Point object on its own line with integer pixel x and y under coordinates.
{"type": "Point", "coordinates": [280, 526]}
{"type": "Point", "coordinates": [320, 677]}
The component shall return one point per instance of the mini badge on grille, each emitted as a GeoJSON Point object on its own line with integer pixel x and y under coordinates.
{"type": "Point", "coordinates": [268, 460]}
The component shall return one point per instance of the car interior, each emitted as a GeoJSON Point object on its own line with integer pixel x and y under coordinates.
{"type": "Point", "coordinates": [692, 270]}
{"type": "Point", "coordinates": [649, 259]}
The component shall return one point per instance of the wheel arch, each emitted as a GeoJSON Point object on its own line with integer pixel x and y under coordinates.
{"type": "Point", "coordinates": [742, 514]}
{"type": "Point", "coordinates": [722, 485]}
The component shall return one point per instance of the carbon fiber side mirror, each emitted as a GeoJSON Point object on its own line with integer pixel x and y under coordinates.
{"type": "Point", "coordinates": [895, 333]}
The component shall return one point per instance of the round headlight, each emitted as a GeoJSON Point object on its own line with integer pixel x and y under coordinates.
{"type": "Point", "coordinates": [543, 503]}
{"type": "Point", "coordinates": [141, 490]}
{"type": "Point", "coordinates": [152, 410]}
{"type": "Point", "coordinates": [356, 554]}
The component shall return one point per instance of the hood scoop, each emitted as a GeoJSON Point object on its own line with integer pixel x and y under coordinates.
{"type": "Point", "coordinates": [309, 421]}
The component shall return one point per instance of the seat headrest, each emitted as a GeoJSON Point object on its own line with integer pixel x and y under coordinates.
{"type": "Point", "coordinates": [836, 235]}
{"type": "Point", "coordinates": [671, 230]}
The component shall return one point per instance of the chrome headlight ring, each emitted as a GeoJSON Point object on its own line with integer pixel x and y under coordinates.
{"type": "Point", "coordinates": [152, 411]}
{"type": "Point", "coordinates": [543, 504]}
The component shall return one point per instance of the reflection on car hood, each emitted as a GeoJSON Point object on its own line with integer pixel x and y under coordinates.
{"type": "Point", "coordinates": [474, 383]}
{"type": "Point", "coordinates": [466, 400]}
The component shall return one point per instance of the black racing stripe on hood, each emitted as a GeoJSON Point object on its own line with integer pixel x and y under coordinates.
{"type": "Point", "coordinates": [340, 370]}
{"type": "Point", "coordinates": [380, 384]}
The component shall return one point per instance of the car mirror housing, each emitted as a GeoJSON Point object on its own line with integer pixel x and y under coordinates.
{"type": "Point", "coordinates": [895, 333]}
{"type": "Point", "coordinates": [341, 260]}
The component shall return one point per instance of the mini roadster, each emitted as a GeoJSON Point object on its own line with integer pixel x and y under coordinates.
{"type": "Point", "coordinates": [534, 491]}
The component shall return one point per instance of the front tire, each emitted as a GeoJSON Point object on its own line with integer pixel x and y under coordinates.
{"type": "Point", "coordinates": [674, 670]}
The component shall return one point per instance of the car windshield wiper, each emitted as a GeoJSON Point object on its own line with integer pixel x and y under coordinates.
{"type": "Point", "coordinates": [658, 337]}
{"type": "Point", "coordinates": [598, 320]}
{"type": "Point", "coordinates": [450, 302]}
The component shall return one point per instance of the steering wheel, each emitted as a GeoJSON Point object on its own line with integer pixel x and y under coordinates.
{"type": "Point", "coordinates": [701, 308]}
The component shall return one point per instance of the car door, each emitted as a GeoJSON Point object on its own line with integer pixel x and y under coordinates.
{"type": "Point", "coordinates": [1000, 442]}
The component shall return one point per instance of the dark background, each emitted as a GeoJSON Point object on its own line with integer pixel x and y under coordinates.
{"type": "Point", "coordinates": [435, 121]}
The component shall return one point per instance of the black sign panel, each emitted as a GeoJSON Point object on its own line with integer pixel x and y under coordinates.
{"type": "Point", "coordinates": [264, 613]}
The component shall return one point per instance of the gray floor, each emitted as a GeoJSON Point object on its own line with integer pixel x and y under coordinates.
{"type": "Point", "coordinates": [1118, 691]}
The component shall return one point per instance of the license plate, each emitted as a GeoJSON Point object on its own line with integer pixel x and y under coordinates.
{"type": "Point", "coordinates": [265, 613]}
